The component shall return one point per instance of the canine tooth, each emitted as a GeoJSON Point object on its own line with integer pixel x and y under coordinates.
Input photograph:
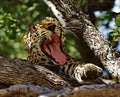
{"type": "Point", "coordinates": [49, 38]}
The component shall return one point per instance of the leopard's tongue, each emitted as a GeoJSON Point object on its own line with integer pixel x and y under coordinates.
{"type": "Point", "coordinates": [57, 53]}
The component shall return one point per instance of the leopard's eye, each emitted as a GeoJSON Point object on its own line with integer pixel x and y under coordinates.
{"type": "Point", "coordinates": [51, 27]}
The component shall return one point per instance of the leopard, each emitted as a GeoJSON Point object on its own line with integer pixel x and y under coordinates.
{"type": "Point", "coordinates": [45, 41]}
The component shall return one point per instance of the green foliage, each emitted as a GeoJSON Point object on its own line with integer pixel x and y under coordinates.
{"type": "Point", "coordinates": [70, 46]}
{"type": "Point", "coordinates": [9, 32]}
{"type": "Point", "coordinates": [115, 33]}
{"type": "Point", "coordinates": [104, 20]}
{"type": "Point", "coordinates": [15, 18]}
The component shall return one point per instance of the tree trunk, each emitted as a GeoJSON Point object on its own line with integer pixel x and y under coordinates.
{"type": "Point", "coordinates": [30, 90]}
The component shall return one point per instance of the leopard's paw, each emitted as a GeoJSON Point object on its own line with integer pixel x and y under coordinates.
{"type": "Point", "coordinates": [87, 72]}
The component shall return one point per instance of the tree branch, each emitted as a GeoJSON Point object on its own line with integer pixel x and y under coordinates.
{"type": "Point", "coordinates": [101, 90]}
{"type": "Point", "coordinates": [18, 72]}
{"type": "Point", "coordinates": [21, 72]}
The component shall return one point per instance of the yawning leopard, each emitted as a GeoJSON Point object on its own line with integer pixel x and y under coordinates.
{"type": "Point", "coordinates": [45, 40]}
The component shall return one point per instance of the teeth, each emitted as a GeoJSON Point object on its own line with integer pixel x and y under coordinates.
{"type": "Point", "coordinates": [49, 38]}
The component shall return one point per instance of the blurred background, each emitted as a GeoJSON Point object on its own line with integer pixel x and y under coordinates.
{"type": "Point", "coordinates": [17, 15]}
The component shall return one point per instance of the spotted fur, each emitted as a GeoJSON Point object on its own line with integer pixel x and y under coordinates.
{"type": "Point", "coordinates": [33, 39]}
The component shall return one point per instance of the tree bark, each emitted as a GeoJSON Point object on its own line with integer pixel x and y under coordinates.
{"type": "Point", "coordinates": [21, 72]}
{"type": "Point", "coordinates": [91, 91]}
{"type": "Point", "coordinates": [98, 90]}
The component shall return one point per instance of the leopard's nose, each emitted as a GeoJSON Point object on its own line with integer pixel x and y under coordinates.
{"type": "Point", "coordinates": [51, 27]}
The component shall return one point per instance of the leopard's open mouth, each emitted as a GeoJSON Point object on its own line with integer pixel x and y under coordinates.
{"type": "Point", "coordinates": [52, 47]}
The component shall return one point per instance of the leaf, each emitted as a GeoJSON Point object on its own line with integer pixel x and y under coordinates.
{"type": "Point", "coordinates": [117, 21]}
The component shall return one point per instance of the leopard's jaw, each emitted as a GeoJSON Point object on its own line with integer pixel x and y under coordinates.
{"type": "Point", "coordinates": [36, 36]}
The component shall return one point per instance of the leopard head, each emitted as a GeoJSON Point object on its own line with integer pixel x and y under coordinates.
{"type": "Point", "coordinates": [44, 41]}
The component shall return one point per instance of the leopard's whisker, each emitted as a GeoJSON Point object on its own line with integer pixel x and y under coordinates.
{"type": "Point", "coordinates": [70, 27]}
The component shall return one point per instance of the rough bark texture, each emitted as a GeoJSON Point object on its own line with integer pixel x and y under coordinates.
{"type": "Point", "coordinates": [21, 72]}
{"type": "Point", "coordinates": [30, 90]}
